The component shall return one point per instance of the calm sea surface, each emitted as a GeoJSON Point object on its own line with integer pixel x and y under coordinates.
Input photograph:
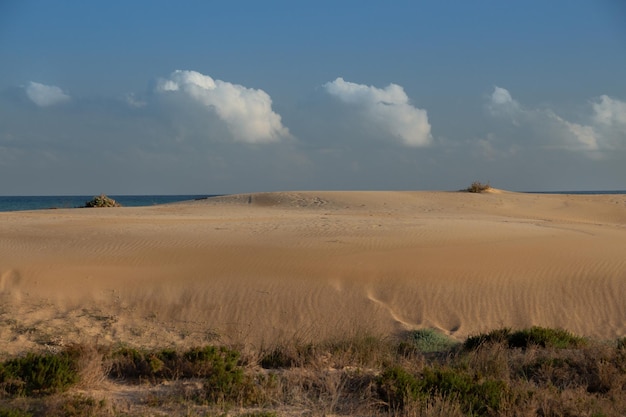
{"type": "Point", "coordinates": [9, 203]}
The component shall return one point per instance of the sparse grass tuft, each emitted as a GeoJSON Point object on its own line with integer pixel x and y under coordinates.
{"type": "Point", "coordinates": [478, 187]}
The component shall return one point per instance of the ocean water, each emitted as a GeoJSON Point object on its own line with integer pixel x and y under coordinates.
{"type": "Point", "coordinates": [15, 203]}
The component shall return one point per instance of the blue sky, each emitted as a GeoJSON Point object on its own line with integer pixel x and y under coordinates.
{"type": "Point", "coordinates": [150, 97]}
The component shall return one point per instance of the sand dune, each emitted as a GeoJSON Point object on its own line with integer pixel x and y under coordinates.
{"type": "Point", "coordinates": [260, 268]}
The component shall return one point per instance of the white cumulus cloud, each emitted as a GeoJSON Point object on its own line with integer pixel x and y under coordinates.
{"type": "Point", "coordinates": [45, 95]}
{"type": "Point", "coordinates": [388, 107]}
{"type": "Point", "coordinates": [603, 129]}
{"type": "Point", "coordinates": [247, 112]}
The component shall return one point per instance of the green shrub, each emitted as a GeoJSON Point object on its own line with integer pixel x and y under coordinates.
{"type": "Point", "coordinates": [130, 363]}
{"type": "Point", "coordinates": [102, 201]}
{"type": "Point", "coordinates": [534, 336]}
{"type": "Point", "coordinates": [396, 386]}
{"type": "Point", "coordinates": [226, 379]}
{"type": "Point", "coordinates": [476, 397]}
{"type": "Point", "coordinates": [545, 337]}
{"type": "Point", "coordinates": [38, 374]}
{"type": "Point", "coordinates": [426, 341]}
{"type": "Point", "coordinates": [494, 336]}
{"type": "Point", "coordinates": [219, 366]}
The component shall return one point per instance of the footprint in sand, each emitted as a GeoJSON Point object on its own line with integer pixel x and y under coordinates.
{"type": "Point", "coordinates": [392, 313]}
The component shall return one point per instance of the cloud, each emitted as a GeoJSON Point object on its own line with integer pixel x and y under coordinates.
{"type": "Point", "coordinates": [609, 112]}
{"type": "Point", "coordinates": [389, 108]}
{"type": "Point", "coordinates": [45, 95]}
{"type": "Point", "coordinates": [600, 131]}
{"type": "Point", "coordinates": [501, 102]}
{"type": "Point", "coordinates": [246, 112]}
{"type": "Point", "coordinates": [133, 101]}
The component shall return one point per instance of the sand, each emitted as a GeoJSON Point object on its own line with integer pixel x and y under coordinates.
{"type": "Point", "coordinates": [264, 268]}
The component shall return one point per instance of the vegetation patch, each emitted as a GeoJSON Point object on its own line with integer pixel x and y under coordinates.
{"type": "Point", "coordinates": [102, 201]}
{"type": "Point", "coordinates": [478, 187]}
{"type": "Point", "coordinates": [525, 338]}
{"type": "Point", "coordinates": [426, 341]}
{"type": "Point", "coordinates": [36, 374]}
{"type": "Point", "coordinates": [534, 371]}
{"type": "Point", "coordinates": [478, 397]}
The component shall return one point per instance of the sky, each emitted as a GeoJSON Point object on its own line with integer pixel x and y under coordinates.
{"type": "Point", "coordinates": [218, 97]}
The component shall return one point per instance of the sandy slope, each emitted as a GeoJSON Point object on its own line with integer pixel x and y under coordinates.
{"type": "Point", "coordinates": [265, 267]}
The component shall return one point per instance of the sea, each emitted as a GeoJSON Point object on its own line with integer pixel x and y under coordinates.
{"type": "Point", "coordinates": [17, 203]}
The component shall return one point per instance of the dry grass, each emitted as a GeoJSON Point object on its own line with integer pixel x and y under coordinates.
{"type": "Point", "coordinates": [361, 375]}
{"type": "Point", "coordinates": [478, 187]}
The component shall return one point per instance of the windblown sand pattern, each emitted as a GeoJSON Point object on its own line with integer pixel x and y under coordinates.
{"type": "Point", "coordinates": [263, 268]}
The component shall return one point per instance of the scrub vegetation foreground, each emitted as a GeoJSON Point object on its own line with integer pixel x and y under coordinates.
{"type": "Point", "coordinates": [528, 372]}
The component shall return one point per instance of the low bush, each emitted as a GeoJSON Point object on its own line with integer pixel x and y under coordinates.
{"type": "Point", "coordinates": [478, 187]}
{"type": "Point", "coordinates": [495, 336]}
{"type": "Point", "coordinates": [426, 341]}
{"type": "Point", "coordinates": [102, 201]}
{"type": "Point", "coordinates": [525, 338]}
{"type": "Point", "coordinates": [545, 338]}
{"type": "Point", "coordinates": [224, 379]}
{"type": "Point", "coordinates": [479, 397]}
{"type": "Point", "coordinates": [136, 364]}
{"type": "Point", "coordinates": [398, 387]}
{"type": "Point", "coordinates": [37, 374]}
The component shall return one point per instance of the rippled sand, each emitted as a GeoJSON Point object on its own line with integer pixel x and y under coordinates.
{"type": "Point", "coordinates": [262, 268]}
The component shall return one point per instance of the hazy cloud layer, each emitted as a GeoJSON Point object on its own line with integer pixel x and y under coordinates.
{"type": "Point", "coordinates": [247, 112]}
{"type": "Point", "coordinates": [389, 108]}
{"type": "Point", "coordinates": [602, 130]}
{"type": "Point", "coordinates": [156, 141]}
{"type": "Point", "coordinates": [45, 95]}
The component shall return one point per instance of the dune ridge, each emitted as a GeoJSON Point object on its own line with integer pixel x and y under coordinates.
{"type": "Point", "coordinates": [260, 268]}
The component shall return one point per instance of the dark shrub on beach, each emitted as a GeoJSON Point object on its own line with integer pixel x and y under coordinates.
{"type": "Point", "coordinates": [102, 201]}
{"type": "Point", "coordinates": [478, 187]}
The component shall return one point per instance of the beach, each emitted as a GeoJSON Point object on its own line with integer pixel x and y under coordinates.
{"type": "Point", "coordinates": [258, 269]}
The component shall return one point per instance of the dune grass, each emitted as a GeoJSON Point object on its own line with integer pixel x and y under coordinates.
{"type": "Point", "coordinates": [478, 187]}
{"type": "Point", "coordinates": [535, 371]}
